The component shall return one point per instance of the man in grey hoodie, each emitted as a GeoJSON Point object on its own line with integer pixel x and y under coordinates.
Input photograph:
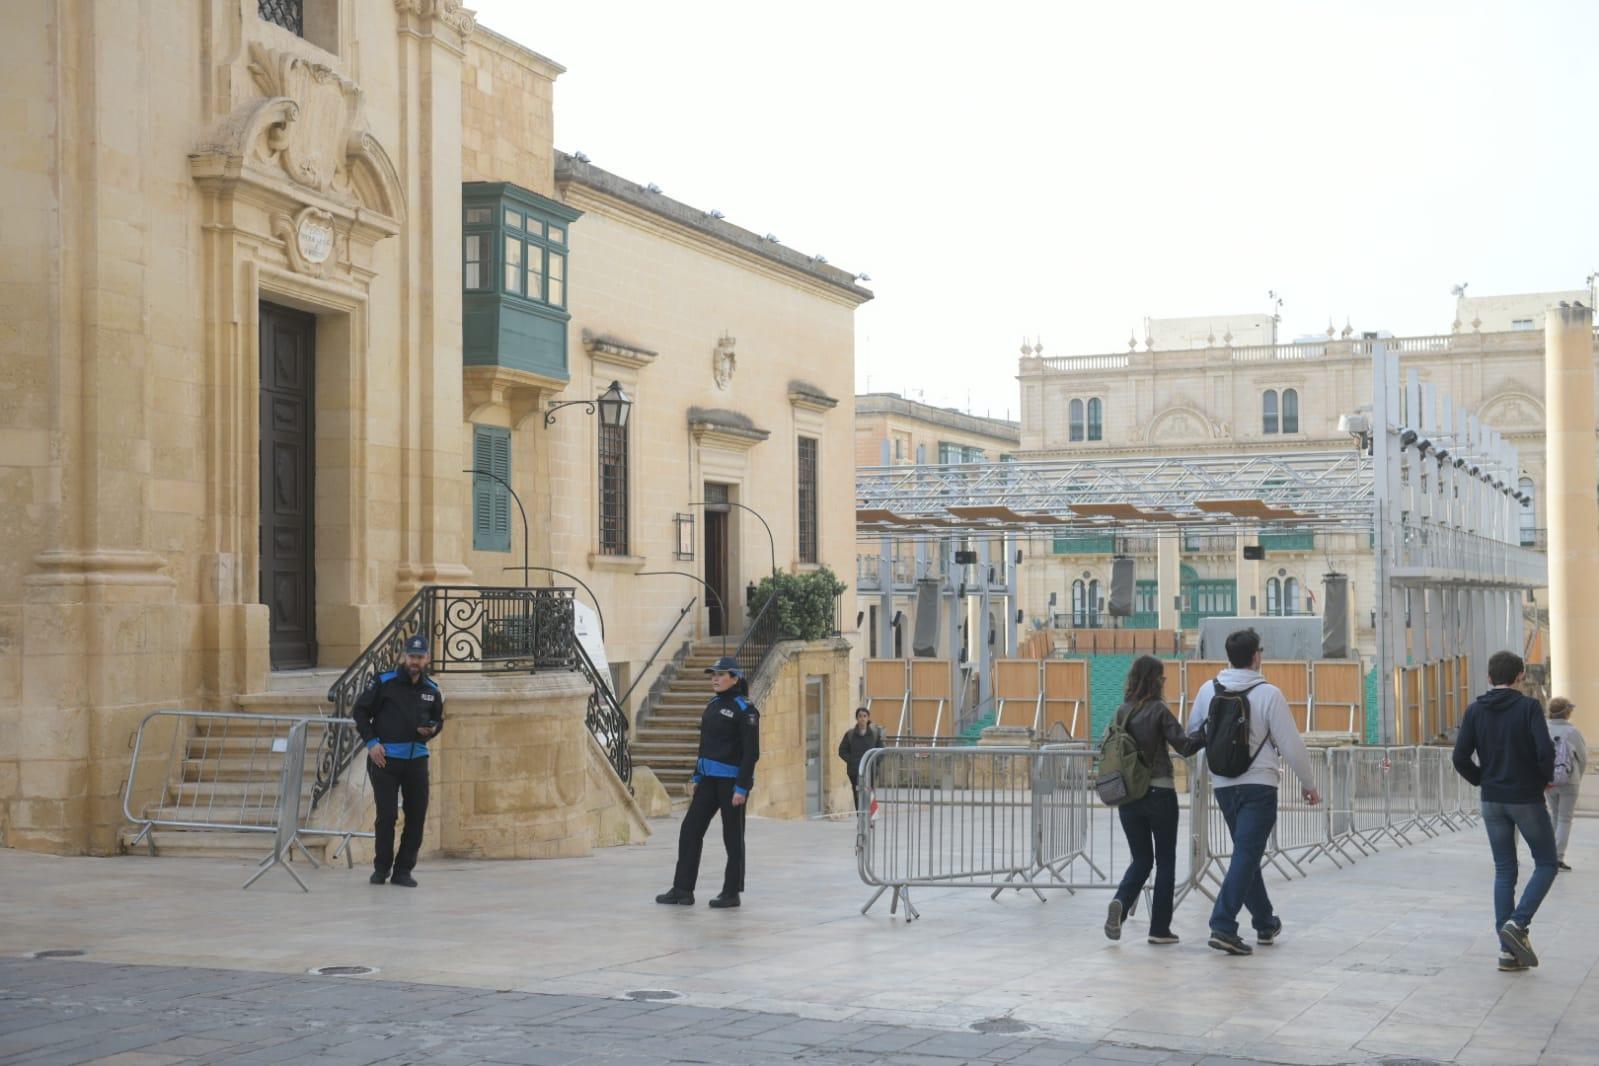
{"type": "Point", "coordinates": [1504, 749]}
{"type": "Point", "coordinates": [1249, 801]}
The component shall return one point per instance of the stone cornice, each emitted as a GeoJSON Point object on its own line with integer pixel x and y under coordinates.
{"type": "Point", "coordinates": [611, 350]}
{"type": "Point", "coordinates": [888, 403]}
{"type": "Point", "coordinates": [727, 428]}
{"type": "Point", "coordinates": [809, 397]}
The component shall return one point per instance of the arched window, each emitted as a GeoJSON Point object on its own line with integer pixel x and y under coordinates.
{"type": "Point", "coordinates": [1079, 604]}
{"type": "Point", "coordinates": [1093, 604]}
{"type": "Point", "coordinates": [1291, 596]}
{"type": "Point", "coordinates": [1274, 596]}
{"type": "Point", "coordinates": [1268, 411]}
{"type": "Point", "coordinates": [1290, 410]}
{"type": "Point", "coordinates": [1075, 419]}
{"type": "Point", "coordinates": [1096, 423]}
{"type": "Point", "coordinates": [1529, 514]}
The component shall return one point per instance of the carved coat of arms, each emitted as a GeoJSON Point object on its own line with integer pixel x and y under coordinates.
{"type": "Point", "coordinates": [724, 362]}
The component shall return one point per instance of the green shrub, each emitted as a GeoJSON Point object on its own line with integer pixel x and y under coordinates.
{"type": "Point", "coordinates": [805, 611]}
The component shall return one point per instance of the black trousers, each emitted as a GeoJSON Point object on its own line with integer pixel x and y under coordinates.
{"type": "Point", "coordinates": [855, 788]}
{"type": "Point", "coordinates": [1150, 825]}
{"type": "Point", "coordinates": [711, 795]}
{"type": "Point", "coordinates": [397, 778]}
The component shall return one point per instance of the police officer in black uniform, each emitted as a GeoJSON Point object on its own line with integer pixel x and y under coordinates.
{"type": "Point", "coordinates": [396, 716]}
{"type": "Point", "coordinates": [730, 744]}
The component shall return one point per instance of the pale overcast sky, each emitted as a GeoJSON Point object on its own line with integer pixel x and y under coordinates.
{"type": "Point", "coordinates": [1061, 170]}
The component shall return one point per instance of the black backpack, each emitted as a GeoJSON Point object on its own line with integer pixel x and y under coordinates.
{"type": "Point", "coordinates": [1227, 732]}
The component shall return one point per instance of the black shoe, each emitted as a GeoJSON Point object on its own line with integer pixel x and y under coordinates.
{"type": "Point", "coordinates": [1164, 938]}
{"type": "Point", "coordinates": [1269, 937]}
{"type": "Point", "coordinates": [378, 878]}
{"type": "Point", "coordinates": [1113, 920]}
{"type": "Point", "coordinates": [676, 897]}
{"type": "Point", "coordinates": [1563, 866]}
{"type": "Point", "coordinates": [1229, 943]}
{"type": "Point", "coordinates": [1515, 940]}
{"type": "Point", "coordinates": [403, 880]}
{"type": "Point", "coordinates": [725, 900]}
{"type": "Point", "coordinates": [1508, 963]}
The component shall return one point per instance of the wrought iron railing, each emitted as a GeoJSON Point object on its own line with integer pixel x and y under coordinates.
{"type": "Point", "coordinates": [764, 633]}
{"type": "Point", "coordinates": [469, 629]}
{"type": "Point", "coordinates": [606, 719]}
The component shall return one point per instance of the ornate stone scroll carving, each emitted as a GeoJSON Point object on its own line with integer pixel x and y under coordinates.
{"type": "Point", "coordinates": [450, 12]}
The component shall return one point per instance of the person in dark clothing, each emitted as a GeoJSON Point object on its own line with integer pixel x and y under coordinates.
{"type": "Point", "coordinates": [1150, 823]}
{"type": "Point", "coordinates": [1504, 749]}
{"type": "Point", "coordinates": [853, 748]}
{"type": "Point", "coordinates": [724, 773]}
{"type": "Point", "coordinates": [400, 711]}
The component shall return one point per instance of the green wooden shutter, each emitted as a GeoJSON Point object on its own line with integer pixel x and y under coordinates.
{"type": "Point", "coordinates": [491, 504]}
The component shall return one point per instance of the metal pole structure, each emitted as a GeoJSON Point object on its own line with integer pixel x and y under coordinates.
{"type": "Point", "coordinates": [771, 540]}
{"type": "Point", "coordinates": [478, 472]}
{"type": "Point", "coordinates": [551, 570]}
{"type": "Point", "coordinates": [679, 573]}
{"type": "Point", "coordinates": [1384, 469]}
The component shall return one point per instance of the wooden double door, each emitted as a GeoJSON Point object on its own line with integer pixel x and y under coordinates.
{"type": "Point", "coordinates": [288, 483]}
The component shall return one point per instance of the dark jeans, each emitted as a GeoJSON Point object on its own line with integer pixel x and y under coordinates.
{"type": "Point", "coordinates": [1150, 825]}
{"type": "Point", "coordinates": [397, 777]}
{"type": "Point", "coordinates": [855, 787]}
{"type": "Point", "coordinates": [1503, 821]}
{"type": "Point", "coordinates": [1251, 814]}
{"type": "Point", "coordinates": [711, 795]}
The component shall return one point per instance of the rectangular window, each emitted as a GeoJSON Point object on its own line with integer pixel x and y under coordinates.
{"type": "Point", "coordinates": [557, 280]}
{"type": "Point", "coordinates": [613, 489]}
{"type": "Point", "coordinates": [491, 503]}
{"type": "Point", "coordinates": [479, 216]}
{"type": "Point", "coordinates": [473, 248]}
{"type": "Point", "coordinates": [949, 453]}
{"type": "Point", "coordinates": [1520, 323]}
{"type": "Point", "coordinates": [807, 500]}
{"type": "Point", "coordinates": [535, 272]}
{"type": "Point", "coordinates": [513, 265]}
{"type": "Point", "coordinates": [972, 455]}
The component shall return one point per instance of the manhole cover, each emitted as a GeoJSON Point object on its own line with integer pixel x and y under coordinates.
{"type": "Point", "coordinates": [1000, 1025]}
{"type": "Point", "coordinates": [60, 953]}
{"type": "Point", "coordinates": [344, 971]}
{"type": "Point", "coordinates": [652, 993]}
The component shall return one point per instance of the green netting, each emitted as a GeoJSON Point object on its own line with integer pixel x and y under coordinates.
{"type": "Point", "coordinates": [1373, 709]}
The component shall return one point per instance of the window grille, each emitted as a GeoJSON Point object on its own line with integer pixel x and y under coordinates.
{"type": "Point", "coordinates": [290, 14]}
{"type": "Point", "coordinates": [613, 490]}
{"type": "Point", "coordinates": [807, 499]}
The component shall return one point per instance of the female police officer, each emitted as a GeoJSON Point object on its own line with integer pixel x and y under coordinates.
{"type": "Point", "coordinates": [724, 773]}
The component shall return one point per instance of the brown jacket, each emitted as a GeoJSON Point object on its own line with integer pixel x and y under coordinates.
{"type": "Point", "coordinates": [1154, 727]}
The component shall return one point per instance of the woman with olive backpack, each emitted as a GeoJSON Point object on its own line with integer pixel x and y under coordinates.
{"type": "Point", "coordinates": [1150, 820]}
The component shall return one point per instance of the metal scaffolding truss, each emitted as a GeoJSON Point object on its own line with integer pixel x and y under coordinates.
{"type": "Point", "coordinates": [1321, 489]}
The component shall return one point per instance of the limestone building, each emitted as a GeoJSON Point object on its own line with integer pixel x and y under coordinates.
{"type": "Point", "coordinates": [278, 273]}
{"type": "Point", "coordinates": [1219, 395]}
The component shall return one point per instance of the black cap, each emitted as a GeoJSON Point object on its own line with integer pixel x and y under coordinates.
{"type": "Point", "coordinates": [417, 645]}
{"type": "Point", "coordinates": [725, 665]}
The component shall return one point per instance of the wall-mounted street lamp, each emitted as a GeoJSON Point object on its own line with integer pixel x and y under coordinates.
{"type": "Point", "coordinates": [613, 404]}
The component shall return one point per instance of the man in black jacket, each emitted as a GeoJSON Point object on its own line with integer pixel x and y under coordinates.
{"type": "Point", "coordinates": [1515, 762]}
{"type": "Point", "coordinates": [724, 773]}
{"type": "Point", "coordinates": [396, 716]}
{"type": "Point", "coordinates": [853, 748]}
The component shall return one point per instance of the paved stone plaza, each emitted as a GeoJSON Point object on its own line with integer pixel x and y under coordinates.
{"type": "Point", "coordinates": [1392, 959]}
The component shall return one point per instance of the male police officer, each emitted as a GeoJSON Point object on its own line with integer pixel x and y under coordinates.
{"type": "Point", "coordinates": [396, 716]}
{"type": "Point", "coordinates": [730, 744]}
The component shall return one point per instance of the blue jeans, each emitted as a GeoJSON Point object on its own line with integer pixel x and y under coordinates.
{"type": "Point", "coordinates": [1503, 821]}
{"type": "Point", "coordinates": [1251, 814]}
{"type": "Point", "coordinates": [1151, 828]}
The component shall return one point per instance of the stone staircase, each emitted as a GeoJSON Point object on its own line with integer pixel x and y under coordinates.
{"type": "Point", "coordinates": [667, 739]}
{"type": "Point", "coordinates": [227, 772]}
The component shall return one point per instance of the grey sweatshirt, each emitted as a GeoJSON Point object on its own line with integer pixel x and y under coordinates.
{"type": "Point", "coordinates": [1268, 716]}
{"type": "Point", "coordinates": [1562, 727]}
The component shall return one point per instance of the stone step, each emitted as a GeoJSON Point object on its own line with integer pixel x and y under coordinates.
{"type": "Point", "coordinates": [315, 681]}
{"type": "Point", "coordinates": [298, 704]}
{"type": "Point", "coordinates": [211, 767]}
{"type": "Point", "coordinates": [658, 730]}
{"type": "Point", "coordinates": [230, 795]}
{"type": "Point", "coordinates": [218, 843]}
{"type": "Point", "coordinates": [217, 814]}
{"type": "Point", "coordinates": [649, 753]}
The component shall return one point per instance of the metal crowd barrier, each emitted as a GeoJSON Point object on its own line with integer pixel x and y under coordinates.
{"type": "Point", "coordinates": [205, 770]}
{"type": "Point", "coordinates": [1028, 819]}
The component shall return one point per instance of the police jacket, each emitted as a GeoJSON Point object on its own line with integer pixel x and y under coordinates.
{"type": "Point", "coordinates": [730, 740]}
{"type": "Point", "coordinates": [391, 709]}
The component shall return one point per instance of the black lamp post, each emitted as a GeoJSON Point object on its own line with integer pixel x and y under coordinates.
{"type": "Point", "coordinates": [613, 405]}
{"type": "Point", "coordinates": [680, 573]}
{"type": "Point", "coordinates": [718, 506]}
{"type": "Point", "coordinates": [478, 471]}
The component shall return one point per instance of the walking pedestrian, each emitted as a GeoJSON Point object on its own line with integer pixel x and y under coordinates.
{"type": "Point", "coordinates": [1150, 822]}
{"type": "Point", "coordinates": [1571, 762]}
{"type": "Point", "coordinates": [724, 773]}
{"type": "Point", "coordinates": [1247, 727]}
{"type": "Point", "coordinates": [400, 711]}
{"type": "Point", "coordinates": [860, 739]}
{"type": "Point", "coordinates": [1504, 749]}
